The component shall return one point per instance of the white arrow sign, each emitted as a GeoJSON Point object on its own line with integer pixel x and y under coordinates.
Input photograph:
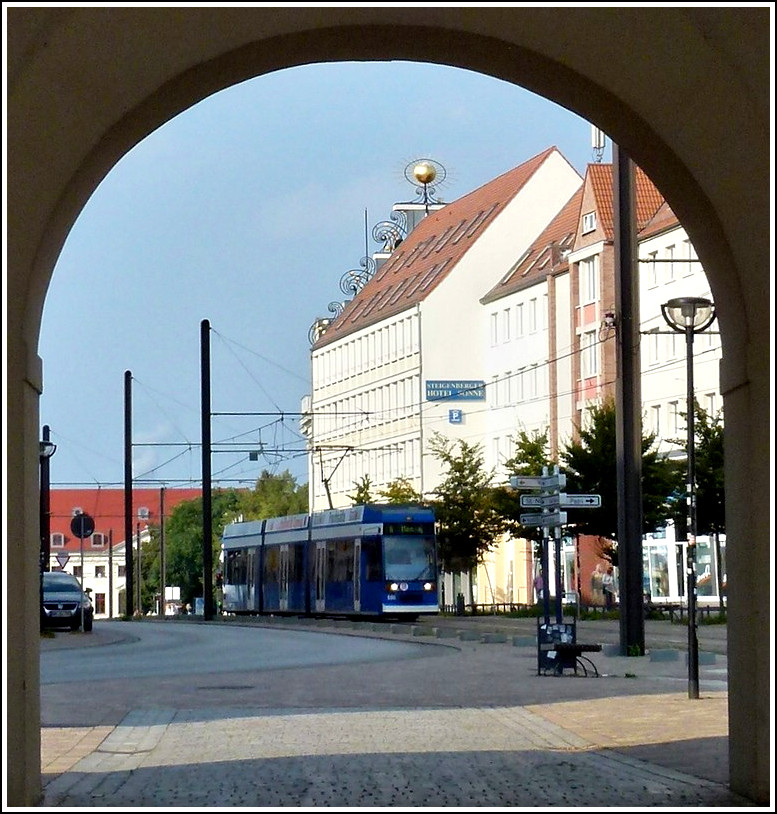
{"type": "Point", "coordinates": [549, 519]}
{"type": "Point", "coordinates": [580, 501]}
{"type": "Point", "coordinates": [539, 481]}
{"type": "Point", "coordinates": [541, 501]}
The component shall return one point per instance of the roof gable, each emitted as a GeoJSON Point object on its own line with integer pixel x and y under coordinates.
{"type": "Point", "coordinates": [430, 252]}
{"type": "Point", "coordinates": [547, 255]}
{"type": "Point", "coordinates": [599, 182]}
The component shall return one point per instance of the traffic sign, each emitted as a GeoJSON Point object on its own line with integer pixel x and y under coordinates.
{"type": "Point", "coordinates": [580, 501]}
{"type": "Point", "coordinates": [82, 525]}
{"type": "Point", "coordinates": [541, 501]}
{"type": "Point", "coordinates": [549, 519]}
{"type": "Point", "coordinates": [556, 481]}
{"type": "Point", "coordinates": [62, 559]}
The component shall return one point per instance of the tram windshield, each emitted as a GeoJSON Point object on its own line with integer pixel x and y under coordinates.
{"type": "Point", "coordinates": [409, 558]}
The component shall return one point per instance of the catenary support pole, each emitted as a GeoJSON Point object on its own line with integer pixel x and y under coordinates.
{"type": "Point", "coordinates": [128, 574]}
{"type": "Point", "coordinates": [628, 412]}
{"type": "Point", "coordinates": [207, 513]}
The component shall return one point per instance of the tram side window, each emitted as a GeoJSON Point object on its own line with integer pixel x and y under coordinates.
{"type": "Point", "coordinates": [236, 568]}
{"type": "Point", "coordinates": [271, 566]}
{"type": "Point", "coordinates": [340, 565]}
{"type": "Point", "coordinates": [373, 567]}
{"type": "Point", "coordinates": [297, 563]}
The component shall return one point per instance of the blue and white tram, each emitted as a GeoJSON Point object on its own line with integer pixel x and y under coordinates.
{"type": "Point", "coordinates": [372, 560]}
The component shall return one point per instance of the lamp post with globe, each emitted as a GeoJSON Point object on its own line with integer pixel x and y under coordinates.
{"type": "Point", "coordinates": [690, 315]}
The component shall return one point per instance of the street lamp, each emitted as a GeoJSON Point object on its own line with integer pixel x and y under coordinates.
{"type": "Point", "coordinates": [45, 451]}
{"type": "Point", "coordinates": [690, 315]}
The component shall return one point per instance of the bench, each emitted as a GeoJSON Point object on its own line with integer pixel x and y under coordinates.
{"type": "Point", "coordinates": [570, 657]}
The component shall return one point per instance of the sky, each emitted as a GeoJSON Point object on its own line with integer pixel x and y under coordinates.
{"type": "Point", "coordinates": [246, 210]}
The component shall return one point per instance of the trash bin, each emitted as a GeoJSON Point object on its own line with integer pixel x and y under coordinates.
{"type": "Point", "coordinates": [459, 604]}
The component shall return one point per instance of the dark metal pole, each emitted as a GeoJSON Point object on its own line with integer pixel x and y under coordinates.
{"type": "Point", "coordinates": [162, 563]}
{"type": "Point", "coordinates": [693, 642]}
{"type": "Point", "coordinates": [207, 515]}
{"type": "Point", "coordinates": [45, 516]}
{"type": "Point", "coordinates": [139, 599]}
{"type": "Point", "coordinates": [559, 583]}
{"type": "Point", "coordinates": [128, 575]}
{"type": "Point", "coordinates": [628, 412]}
{"type": "Point", "coordinates": [110, 573]}
{"type": "Point", "coordinates": [545, 581]}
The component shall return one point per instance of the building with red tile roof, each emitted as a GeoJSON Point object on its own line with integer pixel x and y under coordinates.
{"type": "Point", "coordinates": [410, 345]}
{"type": "Point", "coordinates": [495, 315]}
{"type": "Point", "coordinates": [103, 552]}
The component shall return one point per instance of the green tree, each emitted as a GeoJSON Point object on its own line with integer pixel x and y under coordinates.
{"type": "Point", "coordinates": [183, 543]}
{"type": "Point", "coordinates": [401, 491]}
{"type": "Point", "coordinates": [709, 476]}
{"type": "Point", "coordinates": [363, 493]}
{"type": "Point", "coordinates": [469, 523]}
{"type": "Point", "coordinates": [532, 453]}
{"type": "Point", "coordinates": [274, 496]}
{"type": "Point", "coordinates": [590, 464]}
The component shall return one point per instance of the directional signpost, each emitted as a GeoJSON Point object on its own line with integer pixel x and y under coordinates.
{"type": "Point", "coordinates": [540, 501]}
{"type": "Point", "coordinates": [550, 500]}
{"type": "Point", "coordinates": [556, 481]}
{"type": "Point", "coordinates": [580, 501]}
{"type": "Point", "coordinates": [547, 519]}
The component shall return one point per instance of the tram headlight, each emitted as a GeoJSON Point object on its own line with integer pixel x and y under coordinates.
{"type": "Point", "coordinates": [428, 586]}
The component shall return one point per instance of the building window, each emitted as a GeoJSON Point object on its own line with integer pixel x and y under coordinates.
{"type": "Point", "coordinates": [655, 422]}
{"type": "Point", "coordinates": [57, 540]}
{"type": "Point", "coordinates": [589, 355]}
{"type": "Point", "coordinates": [532, 316]}
{"type": "Point", "coordinates": [589, 222]}
{"type": "Point", "coordinates": [120, 571]}
{"type": "Point", "coordinates": [506, 325]}
{"type": "Point", "coordinates": [710, 399]}
{"type": "Point", "coordinates": [99, 603]}
{"type": "Point", "coordinates": [519, 329]}
{"type": "Point", "coordinates": [99, 572]}
{"type": "Point", "coordinates": [670, 262]}
{"type": "Point", "coordinates": [652, 341]}
{"type": "Point", "coordinates": [589, 280]}
{"type": "Point", "coordinates": [98, 540]}
{"type": "Point", "coordinates": [674, 416]}
{"type": "Point", "coordinates": [652, 270]}
{"type": "Point", "coordinates": [77, 571]}
{"type": "Point", "coordinates": [690, 255]}
{"type": "Point", "coordinates": [494, 329]}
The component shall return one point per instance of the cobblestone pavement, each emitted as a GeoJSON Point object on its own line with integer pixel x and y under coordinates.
{"type": "Point", "coordinates": [467, 723]}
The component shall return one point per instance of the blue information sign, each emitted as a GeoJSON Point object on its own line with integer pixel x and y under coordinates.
{"type": "Point", "coordinates": [455, 390]}
{"type": "Point", "coordinates": [455, 416]}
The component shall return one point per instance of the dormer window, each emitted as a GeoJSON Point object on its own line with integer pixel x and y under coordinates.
{"type": "Point", "coordinates": [589, 222]}
{"type": "Point", "coordinates": [57, 540]}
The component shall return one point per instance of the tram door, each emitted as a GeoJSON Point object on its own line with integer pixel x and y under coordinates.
{"type": "Point", "coordinates": [320, 576]}
{"type": "Point", "coordinates": [283, 578]}
{"type": "Point", "coordinates": [357, 575]}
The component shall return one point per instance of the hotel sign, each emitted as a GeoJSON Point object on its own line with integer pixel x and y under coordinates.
{"type": "Point", "coordinates": [455, 390]}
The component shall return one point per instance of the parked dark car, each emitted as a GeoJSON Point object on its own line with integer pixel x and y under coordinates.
{"type": "Point", "coordinates": [63, 601]}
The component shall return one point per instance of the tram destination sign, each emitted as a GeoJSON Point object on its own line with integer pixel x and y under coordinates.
{"type": "Point", "coordinates": [548, 519]}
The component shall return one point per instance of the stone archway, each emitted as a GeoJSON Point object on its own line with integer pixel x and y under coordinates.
{"type": "Point", "coordinates": [85, 85]}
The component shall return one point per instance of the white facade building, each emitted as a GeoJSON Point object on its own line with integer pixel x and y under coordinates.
{"type": "Point", "coordinates": [496, 315]}
{"type": "Point", "coordinates": [406, 356]}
